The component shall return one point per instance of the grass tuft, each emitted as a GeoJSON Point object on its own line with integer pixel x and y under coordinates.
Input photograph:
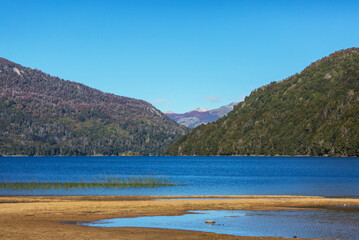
{"type": "Point", "coordinates": [108, 182]}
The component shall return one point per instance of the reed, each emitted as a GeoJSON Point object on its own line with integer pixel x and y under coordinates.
{"type": "Point", "coordinates": [107, 182]}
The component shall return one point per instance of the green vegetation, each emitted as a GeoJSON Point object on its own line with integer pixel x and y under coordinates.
{"type": "Point", "coordinates": [313, 113]}
{"type": "Point", "coordinates": [108, 182]}
{"type": "Point", "coordinates": [47, 116]}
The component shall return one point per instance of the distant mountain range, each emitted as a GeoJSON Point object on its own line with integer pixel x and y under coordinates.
{"type": "Point", "coordinates": [315, 113]}
{"type": "Point", "coordinates": [200, 116]}
{"type": "Point", "coordinates": [45, 115]}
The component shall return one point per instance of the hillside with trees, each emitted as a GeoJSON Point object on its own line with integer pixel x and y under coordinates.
{"type": "Point", "coordinates": [315, 112]}
{"type": "Point", "coordinates": [45, 115]}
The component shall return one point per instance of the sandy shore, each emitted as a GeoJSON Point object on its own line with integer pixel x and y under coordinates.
{"type": "Point", "coordinates": [44, 217]}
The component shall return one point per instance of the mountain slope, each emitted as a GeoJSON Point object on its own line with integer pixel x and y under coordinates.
{"type": "Point", "coordinates": [200, 115]}
{"type": "Point", "coordinates": [313, 113]}
{"type": "Point", "coordinates": [45, 115]}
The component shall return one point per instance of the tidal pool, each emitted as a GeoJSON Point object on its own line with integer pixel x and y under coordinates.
{"type": "Point", "coordinates": [334, 223]}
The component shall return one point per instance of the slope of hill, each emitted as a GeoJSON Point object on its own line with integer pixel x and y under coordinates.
{"type": "Point", "coordinates": [45, 115]}
{"type": "Point", "coordinates": [312, 113]}
{"type": "Point", "coordinates": [200, 116]}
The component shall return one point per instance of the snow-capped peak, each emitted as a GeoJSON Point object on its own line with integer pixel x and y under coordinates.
{"type": "Point", "coordinates": [200, 110]}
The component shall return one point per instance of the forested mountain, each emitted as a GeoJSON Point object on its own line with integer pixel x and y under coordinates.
{"type": "Point", "coordinates": [200, 116]}
{"type": "Point", "coordinates": [312, 113]}
{"type": "Point", "coordinates": [45, 115]}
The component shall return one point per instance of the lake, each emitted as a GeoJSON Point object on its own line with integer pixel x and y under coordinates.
{"type": "Point", "coordinates": [314, 176]}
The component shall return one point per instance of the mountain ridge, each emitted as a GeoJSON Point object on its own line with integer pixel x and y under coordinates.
{"type": "Point", "coordinates": [313, 113]}
{"type": "Point", "coordinates": [199, 116]}
{"type": "Point", "coordinates": [45, 115]}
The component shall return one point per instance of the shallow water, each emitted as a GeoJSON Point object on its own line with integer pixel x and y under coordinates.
{"type": "Point", "coordinates": [328, 224]}
{"type": "Point", "coordinates": [202, 175]}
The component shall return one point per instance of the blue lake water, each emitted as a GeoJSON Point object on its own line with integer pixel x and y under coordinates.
{"type": "Point", "coordinates": [328, 224]}
{"type": "Point", "coordinates": [201, 175]}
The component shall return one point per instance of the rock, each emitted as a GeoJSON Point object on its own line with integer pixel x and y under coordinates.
{"type": "Point", "coordinates": [327, 76]}
{"type": "Point", "coordinates": [16, 70]}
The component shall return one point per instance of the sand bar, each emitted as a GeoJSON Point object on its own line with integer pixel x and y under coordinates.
{"type": "Point", "coordinates": [43, 217]}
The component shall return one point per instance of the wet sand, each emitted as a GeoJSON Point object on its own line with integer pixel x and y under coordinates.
{"type": "Point", "coordinates": [32, 217]}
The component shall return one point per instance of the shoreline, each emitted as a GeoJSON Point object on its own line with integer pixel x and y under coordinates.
{"type": "Point", "coordinates": [44, 217]}
{"type": "Point", "coordinates": [324, 156]}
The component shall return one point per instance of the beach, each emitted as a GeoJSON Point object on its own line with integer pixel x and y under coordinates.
{"type": "Point", "coordinates": [55, 217]}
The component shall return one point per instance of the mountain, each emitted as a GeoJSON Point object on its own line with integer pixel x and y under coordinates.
{"type": "Point", "coordinates": [200, 110]}
{"type": "Point", "coordinates": [45, 115]}
{"type": "Point", "coordinates": [313, 113]}
{"type": "Point", "coordinates": [200, 116]}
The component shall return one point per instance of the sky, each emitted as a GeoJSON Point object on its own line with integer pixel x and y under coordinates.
{"type": "Point", "coordinates": [177, 55]}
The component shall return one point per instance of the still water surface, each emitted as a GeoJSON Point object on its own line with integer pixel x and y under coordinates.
{"type": "Point", "coordinates": [202, 175]}
{"type": "Point", "coordinates": [326, 224]}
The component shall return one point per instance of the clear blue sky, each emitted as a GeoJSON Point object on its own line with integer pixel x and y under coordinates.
{"type": "Point", "coordinates": [178, 55]}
